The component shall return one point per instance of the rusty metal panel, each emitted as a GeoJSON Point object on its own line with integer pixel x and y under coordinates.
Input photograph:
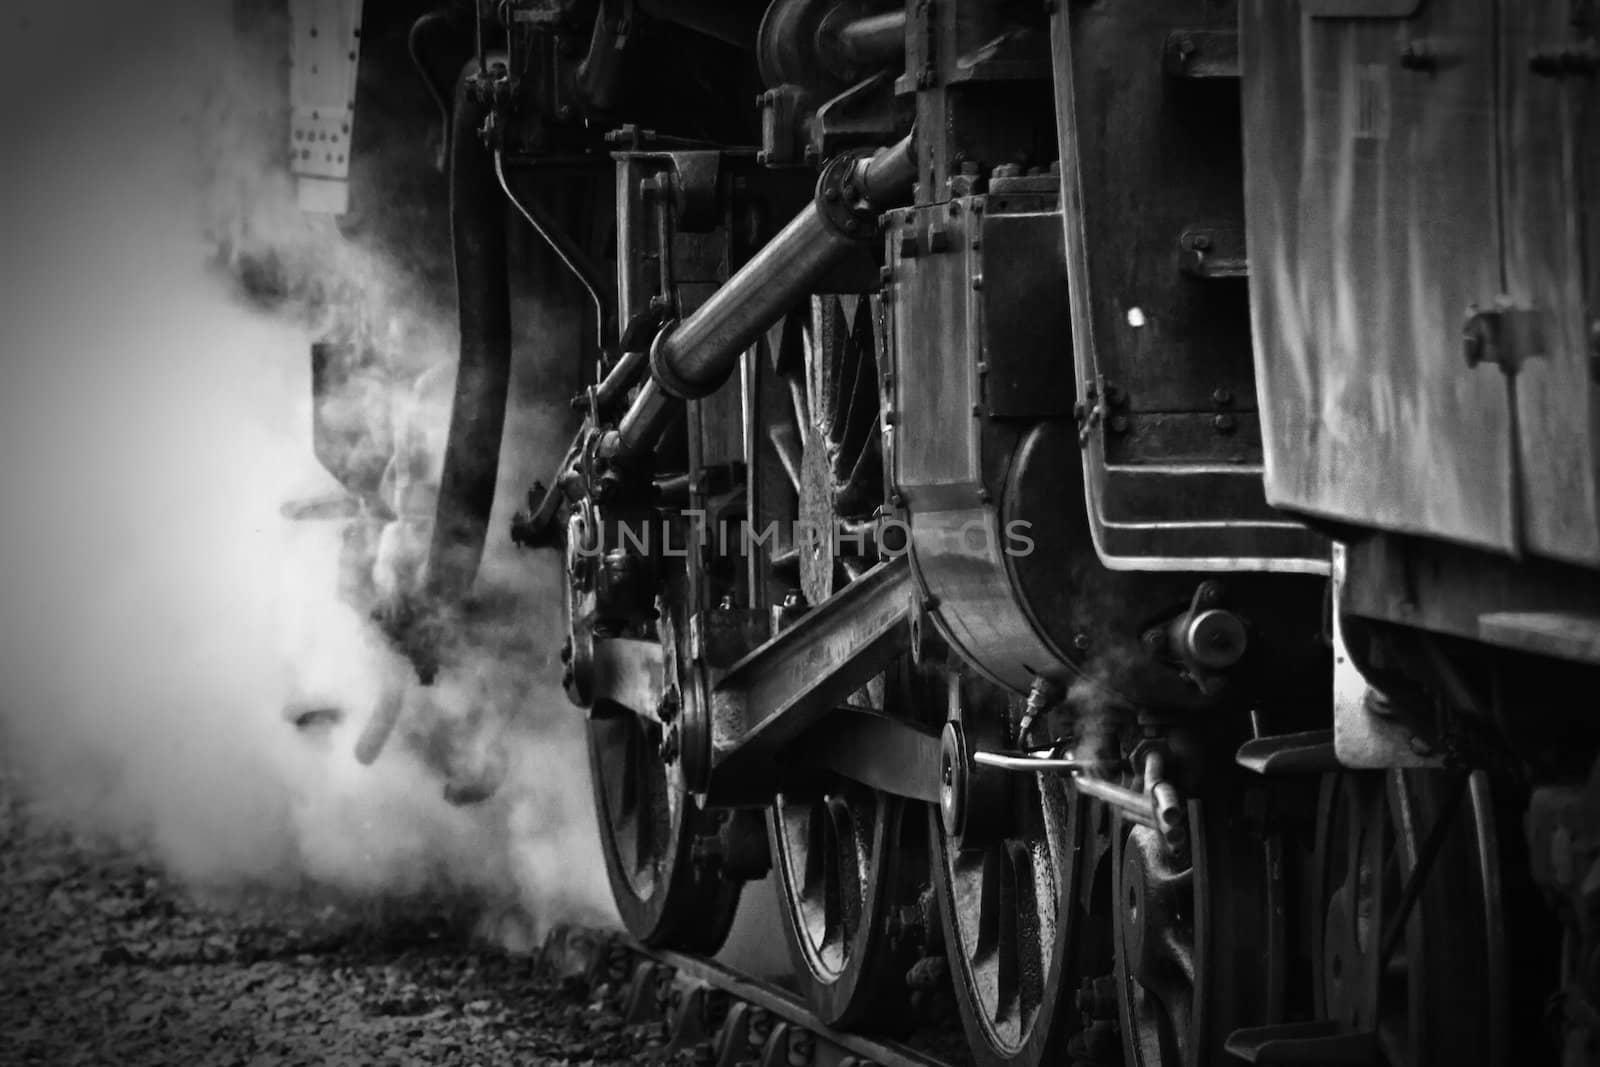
{"type": "Point", "coordinates": [1371, 187]}
{"type": "Point", "coordinates": [1551, 189]}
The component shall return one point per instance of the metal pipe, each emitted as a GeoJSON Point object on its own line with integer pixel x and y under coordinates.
{"type": "Point", "coordinates": [703, 349]}
{"type": "Point", "coordinates": [874, 40]}
{"type": "Point", "coordinates": [622, 376]}
{"type": "Point", "coordinates": [483, 373]}
{"type": "Point", "coordinates": [700, 353]}
{"type": "Point", "coordinates": [647, 417]}
{"type": "Point", "coordinates": [1133, 805]}
{"type": "Point", "coordinates": [1005, 762]}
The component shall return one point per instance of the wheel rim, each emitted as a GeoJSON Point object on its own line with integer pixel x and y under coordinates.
{"type": "Point", "coordinates": [1009, 905]}
{"type": "Point", "coordinates": [648, 826]}
{"type": "Point", "coordinates": [1156, 948]}
{"type": "Point", "coordinates": [828, 847]}
{"type": "Point", "coordinates": [1199, 942]}
{"type": "Point", "coordinates": [836, 863]}
{"type": "Point", "coordinates": [1371, 831]}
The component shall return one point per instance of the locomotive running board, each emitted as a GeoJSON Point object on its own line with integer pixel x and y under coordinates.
{"type": "Point", "coordinates": [787, 685]}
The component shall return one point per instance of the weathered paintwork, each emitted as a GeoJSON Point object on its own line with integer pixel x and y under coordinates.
{"type": "Point", "coordinates": [1551, 164]}
{"type": "Point", "coordinates": [1148, 127]}
{"type": "Point", "coordinates": [1403, 166]}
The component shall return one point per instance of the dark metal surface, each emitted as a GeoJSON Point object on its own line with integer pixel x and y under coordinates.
{"type": "Point", "coordinates": [1154, 314]}
{"type": "Point", "coordinates": [1456, 590]}
{"type": "Point", "coordinates": [886, 753]}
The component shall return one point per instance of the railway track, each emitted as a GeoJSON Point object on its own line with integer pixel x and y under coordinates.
{"type": "Point", "coordinates": [709, 1014]}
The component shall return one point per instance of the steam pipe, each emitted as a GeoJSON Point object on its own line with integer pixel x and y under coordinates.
{"type": "Point", "coordinates": [694, 358]}
{"type": "Point", "coordinates": [872, 40]}
{"type": "Point", "coordinates": [483, 300]}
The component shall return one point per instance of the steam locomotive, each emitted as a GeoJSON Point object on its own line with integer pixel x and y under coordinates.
{"type": "Point", "coordinates": [1101, 494]}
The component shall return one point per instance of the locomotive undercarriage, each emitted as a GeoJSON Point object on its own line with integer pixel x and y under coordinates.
{"type": "Point", "coordinates": [916, 550]}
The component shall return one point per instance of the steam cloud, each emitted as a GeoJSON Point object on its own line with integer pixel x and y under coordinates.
{"type": "Point", "coordinates": [159, 612]}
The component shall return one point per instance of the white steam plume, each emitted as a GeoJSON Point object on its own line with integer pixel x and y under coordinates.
{"type": "Point", "coordinates": [158, 611]}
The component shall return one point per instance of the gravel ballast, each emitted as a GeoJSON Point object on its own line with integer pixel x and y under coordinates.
{"type": "Point", "coordinates": [104, 960]}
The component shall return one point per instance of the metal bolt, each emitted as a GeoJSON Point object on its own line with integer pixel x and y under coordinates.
{"type": "Point", "coordinates": [1222, 396]}
{"type": "Point", "coordinates": [1119, 424]}
{"type": "Point", "coordinates": [1081, 642]}
{"type": "Point", "coordinates": [1225, 424]}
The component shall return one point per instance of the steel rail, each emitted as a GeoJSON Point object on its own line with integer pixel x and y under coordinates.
{"type": "Point", "coordinates": [758, 1022]}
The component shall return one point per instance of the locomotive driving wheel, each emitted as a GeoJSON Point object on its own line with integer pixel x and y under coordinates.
{"type": "Point", "coordinates": [1012, 901]}
{"type": "Point", "coordinates": [648, 821]}
{"type": "Point", "coordinates": [838, 849]}
{"type": "Point", "coordinates": [1415, 984]}
{"type": "Point", "coordinates": [1199, 940]}
{"type": "Point", "coordinates": [838, 858]}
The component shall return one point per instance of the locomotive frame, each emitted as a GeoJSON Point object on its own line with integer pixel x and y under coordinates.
{"type": "Point", "coordinates": [1266, 747]}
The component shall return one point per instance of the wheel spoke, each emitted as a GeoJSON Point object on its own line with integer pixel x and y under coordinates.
{"type": "Point", "coordinates": [644, 813]}
{"type": "Point", "coordinates": [858, 400]}
{"type": "Point", "coordinates": [1026, 942]}
{"type": "Point", "coordinates": [785, 438]}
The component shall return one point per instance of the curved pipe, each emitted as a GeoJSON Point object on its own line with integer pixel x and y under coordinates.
{"type": "Point", "coordinates": [483, 300]}
{"type": "Point", "coordinates": [437, 63]}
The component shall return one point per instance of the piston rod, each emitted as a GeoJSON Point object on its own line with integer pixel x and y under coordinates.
{"type": "Point", "coordinates": [694, 358]}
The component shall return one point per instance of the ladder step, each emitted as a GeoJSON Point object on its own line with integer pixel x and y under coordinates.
{"type": "Point", "coordinates": [1320, 1042]}
{"type": "Point", "coordinates": [1310, 752]}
